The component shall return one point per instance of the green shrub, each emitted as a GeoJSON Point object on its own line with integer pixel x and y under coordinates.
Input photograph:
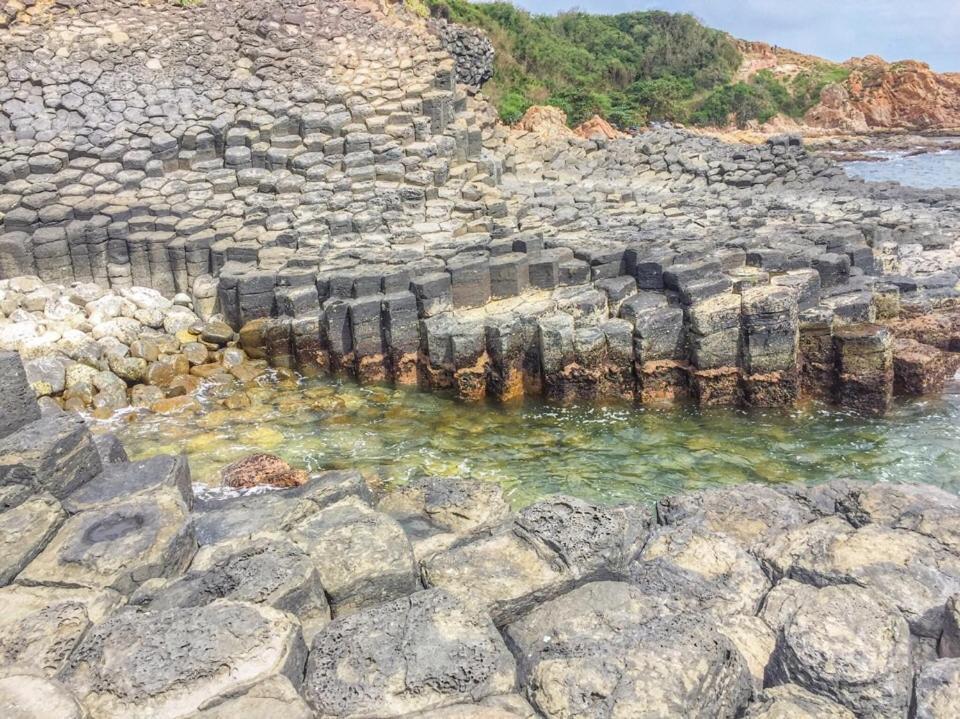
{"type": "Point", "coordinates": [627, 68]}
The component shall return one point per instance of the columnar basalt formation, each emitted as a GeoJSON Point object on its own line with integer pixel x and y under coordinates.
{"type": "Point", "coordinates": [310, 173]}
{"type": "Point", "coordinates": [125, 595]}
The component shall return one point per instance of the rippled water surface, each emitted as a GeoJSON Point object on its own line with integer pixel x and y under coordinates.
{"type": "Point", "coordinates": [609, 453]}
{"type": "Point", "coordinates": [935, 169]}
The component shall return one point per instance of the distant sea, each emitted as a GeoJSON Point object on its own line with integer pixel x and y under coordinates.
{"type": "Point", "coordinates": [934, 169]}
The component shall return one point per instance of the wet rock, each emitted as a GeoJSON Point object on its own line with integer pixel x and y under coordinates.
{"type": "Point", "coordinates": [363, 556]}
{"type": "Point", "coordinates": [110, 449]}
{"type": "Point", "coordinates": [129, 479]}
{"type": "Point", "coordinates": [117, 546]}
{"type": "Point", "coordinates": [844, 644]}
{"type": "Point", "coordinates": [257, 470]}
{"type": "Point", "coordinates": [55, 453]}
{"type": "Point", "coordinates": [709, 568]}
{"type": "Point", "coordinates": [790, 701]}
{"type": "Point", "coordinates": [168, 663]}
{"type": "Point", "coordinates": [267, 569]}
{"type": "Point", "coordinates": [609, 649]}
{"type": "Point", "coordinates": [434, 512]}
{"type": "Point", "coordinates": [24, 531]}
{"type": "Point", "coordinates": [27, 696]}
{"type": "Point", "coordinates": [938, 690]}
{"type": "Point", "coordinates": [412, 654]}
{"type": "Point", "coordinates": [232, 517]}
{"type": "Point", "coordinates": [42, 625]}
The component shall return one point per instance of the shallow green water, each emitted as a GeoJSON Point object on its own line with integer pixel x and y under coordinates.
{"type": "Point", "coordinates": [609, 453]}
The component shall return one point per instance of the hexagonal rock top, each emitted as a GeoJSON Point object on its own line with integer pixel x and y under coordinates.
{"type": "Point", "coordinates": [170, 663]}
{"type": "Point", "coordinates": [417, 653]}
{"type": "Point", "coordinates": [118, 546]}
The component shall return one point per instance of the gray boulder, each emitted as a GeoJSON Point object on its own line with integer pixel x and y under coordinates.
{"type": "Point", "coordinates": [551, 547]}
{"type": "Point", "coordinates": [234, 517]}
{"type": "Point", "coordinates": [267, 569]}
{"type": "Point", "coordinates": [55, 453]}
{"type": "Point", "coordinates": [27, 696]}
{"type": "Point", "coordinates": [18, 402]}
{"type": "Point", "coordinates": [912, 571]}
{"type": "Point", "coordinates": [790, 701]}
{"type": "Point", "coordinates": [168, 663]}
{"type": "Point", "coordinates": [436, 511]}
{"type": "Point", "coordinates": [712, 569]}
{"type": "Point", "coordinates": [417, 653]}
{"type": "Point", "coordinates": [938, 690]}
{"type": "Point", "coordinates": [24, 531]}
{"type": "Point", "coordinates": [118, 546]}
{"type": "Point", "coordinates": [40, 626]}
{"type": "Point", "coordinates": [363, 557]}
{"type": "Point", "coordinates": [844, 644]}
{"type": "Point", "coordinates": [122, 481]}
{"type": "Point", "coordinates": [609, 649]}
{"type": "Point", "coordinates": [746, 513]}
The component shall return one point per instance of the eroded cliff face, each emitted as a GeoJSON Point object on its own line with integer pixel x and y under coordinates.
{"type": "Point", "coordinates": [877, 95]}
{"type": "Point", "coordinates": [904, 94]}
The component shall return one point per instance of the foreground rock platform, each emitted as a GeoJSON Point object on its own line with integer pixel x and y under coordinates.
{"type": "Point", "coordinates": [129, 597]}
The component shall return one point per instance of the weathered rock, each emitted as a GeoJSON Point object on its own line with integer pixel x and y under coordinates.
{"type": "Point", "coordinates": [230, 517]}
{"type": "Point", "coordinates": [938, 690]}
{"type": "Point", "coordinates": [363, 557]}
{"type": "Point", "coordinates": [117, 546]}
{"type": "Point", "coordinates": [40, 626]}
{"type": "Point", "coordinates": [790, 701]}
{"type": "Point", "coordinates": [259, 470]}
{"type": "Point", "coordinates": [121, 481]}
{"type": "Point", "coordinates": [416, 653]}
{"type": "Point", "coordinates": [55, 453]}
{"type": "Point", "coordinates": [27, 696]}
{"type": "Point", "coordinates": [509, 706]}
{"type": "Point", "coordinates": [18, 403]}
{"type": "Point", "coordinates": [844, 644]}
{"type": "Point", "coordinates": [274, 697]}
{"type": "Point", "coordinates": [267, 569]}
{"type": "Point", "coordinates": [911, 571]}
{"type": "Point", "coordinates": [172, 662]}
{"type": "Point", "coordinates": [950, 639]}
{"type": "Point", "coordinates": [551, 547]}
{"type": "Point", "coordinates": [709, 568]}
{"type": "Point", "coordinates": [434, 512]}
{"type": "Point", "coordinates": [746, 513]}
{"type": "Point", "coordinates": [608, 649]}
{"type": "Point", "coordinates": [24, 531]}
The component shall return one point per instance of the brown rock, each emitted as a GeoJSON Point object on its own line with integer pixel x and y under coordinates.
{"type": "Point", "coordinates": [260, 470]}
{"type": "Point", "coordinates": [919, 369]}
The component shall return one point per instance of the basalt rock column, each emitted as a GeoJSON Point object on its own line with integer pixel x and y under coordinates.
{"type": "Point", "coordinates": [770, 338]}
{"type": "Point", "coordinates": [864, 367]}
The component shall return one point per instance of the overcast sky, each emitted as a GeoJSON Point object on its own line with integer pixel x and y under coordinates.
{"type": "Point", "coordinates": [927, 30]}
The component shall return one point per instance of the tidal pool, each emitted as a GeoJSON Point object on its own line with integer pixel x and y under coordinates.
{"type": "Point", "coordinates": [609, 453]}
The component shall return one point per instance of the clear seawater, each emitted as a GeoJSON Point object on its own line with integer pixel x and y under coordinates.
{"type": "Point", "coordinates": [608, 453]}
{"type": "Point", "coordinates": [934, 169]}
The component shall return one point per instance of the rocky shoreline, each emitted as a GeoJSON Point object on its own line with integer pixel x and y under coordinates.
{"type": "Point", "coordinates": [127, 595]}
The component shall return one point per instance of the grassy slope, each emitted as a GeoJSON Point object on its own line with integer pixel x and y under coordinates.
{"type": "Point", "coordinates": [628, 68]}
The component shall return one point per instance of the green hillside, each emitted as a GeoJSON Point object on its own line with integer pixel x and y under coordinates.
{"type": "Point", "coordinates": [628, 68]}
